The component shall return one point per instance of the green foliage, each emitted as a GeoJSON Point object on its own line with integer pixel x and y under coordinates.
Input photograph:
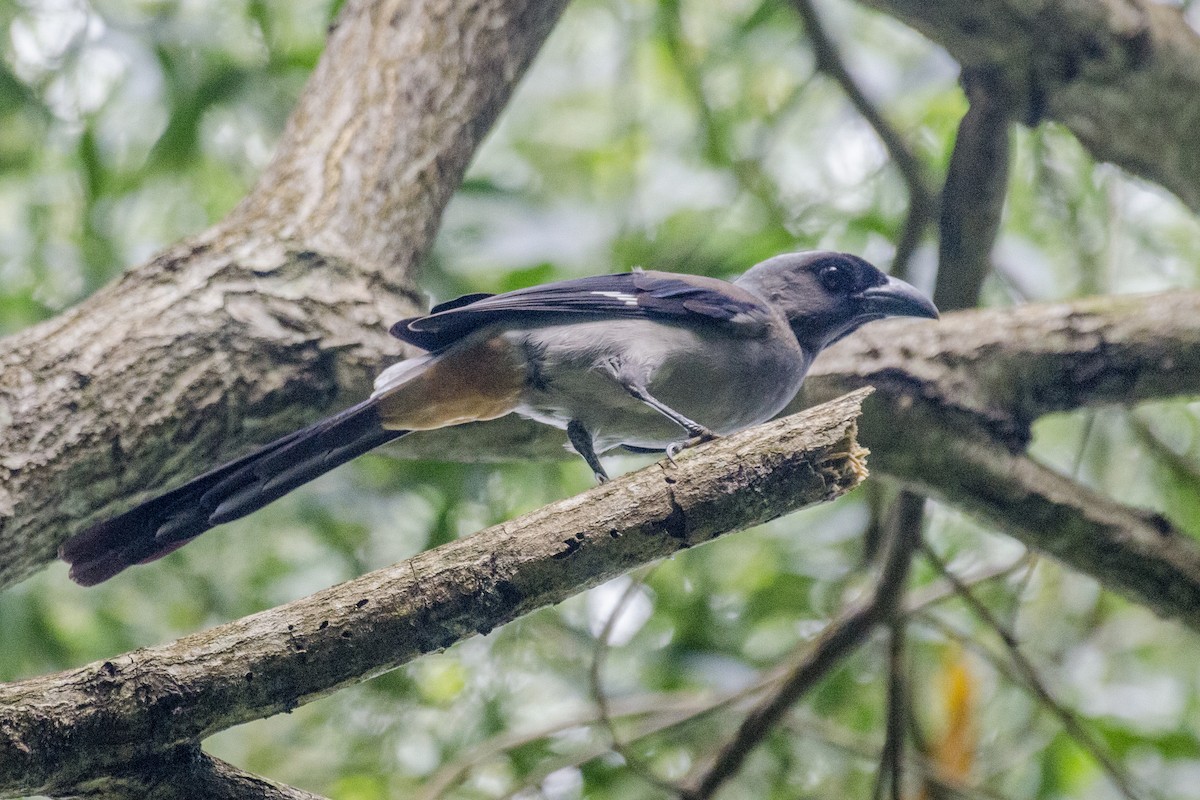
{"type": "Point", "coordinates": [686, 135]}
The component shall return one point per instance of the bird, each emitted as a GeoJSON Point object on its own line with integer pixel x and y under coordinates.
{"type": "Point", "coordinates": [644, 360]}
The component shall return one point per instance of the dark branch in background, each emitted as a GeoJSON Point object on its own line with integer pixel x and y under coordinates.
{"type": "Point", "coordinates": [973, 197]}
{"type": "Point", "coordinates": [1027, 673]}
{"type": "Point", "coordinates": [60, 731]}
{"type": "Point", "coordinates": [891, 757]}
{"type": "Point", "coordinates": [922, 199]}
{"type": "Point", "coordinates": [840, 638]}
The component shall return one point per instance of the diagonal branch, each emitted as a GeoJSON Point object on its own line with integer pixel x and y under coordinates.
{"type": "Point", "coordinates": [973, 196]}
{"type": "Point", "coordinates": [1027, 673]}
{"type": "Point", "coordinates": [1137, 553]}
{"type": "Point", "coordinates": [58, 731]}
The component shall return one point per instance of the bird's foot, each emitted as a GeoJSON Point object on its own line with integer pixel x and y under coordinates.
{"type": "Point", "coordinates": [699, 436]}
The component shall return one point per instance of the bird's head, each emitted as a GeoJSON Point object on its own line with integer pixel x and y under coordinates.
{"type": "Point", "coordinates": [826, 295]}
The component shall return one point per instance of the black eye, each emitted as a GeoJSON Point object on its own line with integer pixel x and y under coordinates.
{"type": "Point", "coordinates": [835, 278]}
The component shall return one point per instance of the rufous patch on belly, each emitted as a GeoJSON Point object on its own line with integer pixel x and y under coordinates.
{"type": "Point", "coordinates": [468, 383]}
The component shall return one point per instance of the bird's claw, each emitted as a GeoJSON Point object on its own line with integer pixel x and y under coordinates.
{"type": "Point", "coordinates": [698, 437]}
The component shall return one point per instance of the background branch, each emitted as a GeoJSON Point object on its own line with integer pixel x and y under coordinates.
{"type": "Point", "coordinates": [841, 637]}
{"type": "Point", "coordinates": [973, 196]}
{"type": "Point", "coordinates": [922, 198]}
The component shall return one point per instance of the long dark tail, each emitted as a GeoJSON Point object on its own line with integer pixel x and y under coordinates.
{"type": "Point", "coordinates": [159, 526]}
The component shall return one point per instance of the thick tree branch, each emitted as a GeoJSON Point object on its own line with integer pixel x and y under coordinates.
{"type": "Point", "coordinates": [278, 314]}
{"type": "Point", "coordinates": [1135, 552]}
{"type": "Point", "coordinates": [1007, 367]}
{"type": "Point", "coordinates": [58, 731]}
{"type": "Point", "coordinates": [1123, 75]}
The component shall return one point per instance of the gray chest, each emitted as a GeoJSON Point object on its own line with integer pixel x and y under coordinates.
{"type": "Point", "coordinates": [720, 380]}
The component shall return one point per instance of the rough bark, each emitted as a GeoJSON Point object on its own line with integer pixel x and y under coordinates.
{"type": "Point", "coordinates": [1135, 552]}
{"type": "Point", "coordinates": [58, 732]}
{"type": "Point", "coordinates": [1007, 367]}
{"type": "Point", "coordinates": [185, 773]}
{"type": "Point", "coordinates": [278, 314]}
{"type": "Point", "coordinates": [1122, 75]}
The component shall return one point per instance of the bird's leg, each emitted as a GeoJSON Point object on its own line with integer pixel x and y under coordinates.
{"type": "Point", "coordinates": [581, 440]}
{"type": "Point", "coordinates": [697, 433]}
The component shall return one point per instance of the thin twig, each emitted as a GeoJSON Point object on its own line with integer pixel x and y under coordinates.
{"type": "Point", "coordinates": [595, 675]}
{"type": "Point", "coordinates": [1028, 673]}
{"type": "Point", "coordinates": [930, 595]}
{"type": "Point", "coordinates": [839, 639]}
{"type": "Point", "coordinates": [922, 198]}
{"type": "Point", "coordinates": [1182, 468]}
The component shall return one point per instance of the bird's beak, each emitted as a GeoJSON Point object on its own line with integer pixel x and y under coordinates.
{"type": "Point", "coordinates": [896, 299]}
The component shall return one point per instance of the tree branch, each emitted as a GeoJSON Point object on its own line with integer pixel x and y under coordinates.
{"type": "Point", "coordinates": [1137, 553]}
{"type": "Point", "coordinates": [185, 773]}
{"type": "Point", "coordinates": [278, 314]}
{"type": "Point", "coordinates": [57, 731]}
{"type": "Point", "coordinates": [1007, 367]}
{"type": "Point", "coordinates": [1121, 75]}
{"type": "Point", "coordinates": [973, 196]}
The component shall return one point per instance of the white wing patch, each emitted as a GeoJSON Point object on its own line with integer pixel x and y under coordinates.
{"type": "Point", "coordinates": [399, 373]}
{"type": "Point", "coordinates": [624, 297]}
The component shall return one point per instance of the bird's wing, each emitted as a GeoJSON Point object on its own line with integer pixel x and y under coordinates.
{"type": "Point", "coordinates": [648, 295]}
